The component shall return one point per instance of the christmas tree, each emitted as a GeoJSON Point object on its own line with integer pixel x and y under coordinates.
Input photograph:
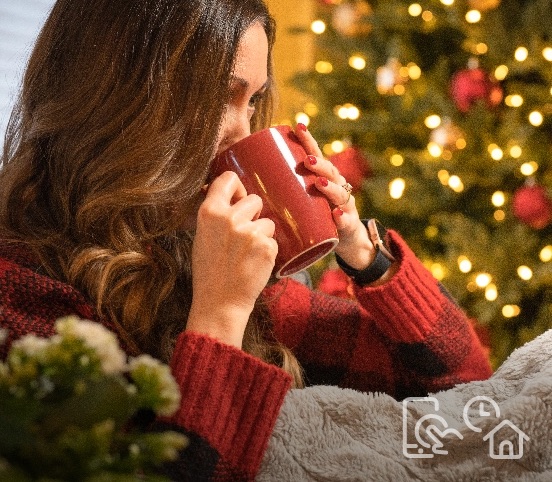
{"type": "Point", "coordinates": [440, 114]}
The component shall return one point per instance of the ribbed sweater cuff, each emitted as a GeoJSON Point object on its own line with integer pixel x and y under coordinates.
{"type": "Point", "coordinates": [229, 398]}
{"type": "Point", "coordinates": [406, 307]}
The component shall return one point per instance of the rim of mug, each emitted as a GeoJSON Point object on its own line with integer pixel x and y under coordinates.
{"type": "Point", "coordinates": [332, 241]}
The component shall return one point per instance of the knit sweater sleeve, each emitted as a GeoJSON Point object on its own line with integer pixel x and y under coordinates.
{"type": "Point", "coordinates": [406, 337]}
{"type": "Point", "coordinates": [230, 402]}
{"type": "Point", "coordinates": [229, 399]}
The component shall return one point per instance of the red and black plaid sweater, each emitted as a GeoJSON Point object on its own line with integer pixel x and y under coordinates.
{"type": "Point", "coordinates": [406, 338]}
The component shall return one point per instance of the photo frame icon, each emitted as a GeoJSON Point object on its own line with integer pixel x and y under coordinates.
{"type": "Point", "coordinates": [428, 432]}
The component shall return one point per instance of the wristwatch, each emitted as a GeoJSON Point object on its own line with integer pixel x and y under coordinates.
{"type": "Point", "coordinates": [382, 261]}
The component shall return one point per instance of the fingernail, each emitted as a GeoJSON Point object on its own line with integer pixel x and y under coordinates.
{"type": "Point", "coordinates": [302, 127]}
{"type": "Point", "coordinates": [338, 211]}
{"type": "Point", "coordinates": [323, 181]}
{"type": "Point", "coordinates": [311, 159]}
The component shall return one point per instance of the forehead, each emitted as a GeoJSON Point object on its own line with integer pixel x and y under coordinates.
{"type": "Point", "coordinates": [252, 55]}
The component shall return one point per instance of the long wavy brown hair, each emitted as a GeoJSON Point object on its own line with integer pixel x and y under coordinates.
{"type": "Point", "coordinates": [108, 147]}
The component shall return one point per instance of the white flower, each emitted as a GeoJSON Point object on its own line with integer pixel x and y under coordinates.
{"type": "Point", "coordinates": [96, 337]}
{"type": "Point", "coordinates": [144, 368]}
{"type": "Point", "coordinates": [32, 345]}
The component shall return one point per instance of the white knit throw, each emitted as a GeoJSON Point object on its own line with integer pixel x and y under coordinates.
{"type": "Point", "coordinates": [503, 434]}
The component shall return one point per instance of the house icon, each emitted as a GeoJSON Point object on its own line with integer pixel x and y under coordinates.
{"type": "Point", "coordinates": [504, 449]}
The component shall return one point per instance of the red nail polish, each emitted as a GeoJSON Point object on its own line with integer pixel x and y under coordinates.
{"type": "Point", "coordinates": [302, 127]}
{"type": "Point", "coordinates": [339, 211]}
{"type": "Point", "coordinates": [323, 181]}
{"type": "Point", "coordinates": [312, 160]}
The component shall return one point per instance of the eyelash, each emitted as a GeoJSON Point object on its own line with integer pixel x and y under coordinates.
{"type": "Point", "coordinates": [254, 99]}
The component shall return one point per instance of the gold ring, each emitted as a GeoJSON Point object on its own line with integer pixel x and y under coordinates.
{"type": "Point", "coordinates": [348, 188]}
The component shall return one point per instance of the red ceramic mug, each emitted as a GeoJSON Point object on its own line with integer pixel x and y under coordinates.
{"type": "Point", "coordinates": [269, 163]}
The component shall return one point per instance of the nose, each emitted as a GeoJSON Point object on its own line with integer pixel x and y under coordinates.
{"type": "Point", "coordinates": [236, 126]}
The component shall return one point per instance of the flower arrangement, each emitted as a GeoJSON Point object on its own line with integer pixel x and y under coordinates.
{"type": "Point", "coordinates": [71, 405]}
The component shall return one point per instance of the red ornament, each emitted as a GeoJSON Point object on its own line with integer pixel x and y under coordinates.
{"type": "Point", "coordinates": [532, 206]}
{"type": "Point", "coordinates": [352, 165]}
{"type": "Point", "coordinates": [471, 85]}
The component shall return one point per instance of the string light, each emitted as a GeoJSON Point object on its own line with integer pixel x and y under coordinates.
{"type": "Point", "coordinates": [501, 72]}
{"type": "Point", "coordinates": [521, 54]}
{"type": "Point", "coordinates": [510, 311]}
{"type": "Point", "coordinates": [427, 16]}
{"type": "Point", "coordinates": [338, 146]}
{"type": "Point", "coordinates": [464, 264]}
{"type": "Point", "coordinates": [323, 67]}
{"type": "Point", "coordinates": [415, 9]}
{"type": "Point", "coordinates": [515, 152]}
{"type": "Point", "coordinates": [448, 3]}
{"type": "Point", "coordinates": [514, 100]}
{"type": "Point", "coordinates": [434, 149]}
{"type": "Point", "coordinates": [547, 53]}
{"type": "Point", "coordinates": [357, 62]}
{"type": "Point", "coordinates": [397, 187]}
{"type": "Point", "coordinates": [432, 121]}
{"type": "Point", "coordinates": [546, 254]}
{"type": "Point", "coordinates": [482, 279]}
{"type": "Point", "coordinates": [499, 215]}
{"type": "Point", "coordinates": [438, 271]}
{"type": "Point", "coordinates": [302, 118]}
{"type": "Point", "coordinates": [396, 160]}
{"type": "Point", "coordinates": [497, 154]}
{"type": "Point", "coordinates": [461, 143]}
{"type": "Point", "coordinates": [536, 118]}
{"type": "Point", "coordinates": [491, 292]}
{"type": "Point", "coordinates": [481, 48]}
{"type": "Point", "coordinates": [318, 27]}
{"type": "Point", "coordinates": [347, 111]}
{"type": "Point", "coordinates": [443, 176]}
{"type": "Point", "coordinates": [525, 273]}
{"type": "Point", "coordinates": [414, 72]}
{"type": "Point", "coordinates": [529, 168]}
{"type": "Point", "coordinates": [498, 199]}
{"type": "Point", "coordinates": [473, 16]}
{"type": "Point", "coordinates": [431, 231]}
{"type": "Point", "coordinates": [456, 184]}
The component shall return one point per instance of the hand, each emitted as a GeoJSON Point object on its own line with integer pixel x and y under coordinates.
{"type": "Point", "coordinates": [354, 246]}
{"type": "Point", "coordinates": [233, 257]}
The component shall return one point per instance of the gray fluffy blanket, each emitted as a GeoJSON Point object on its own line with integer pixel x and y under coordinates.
{"type": "Point", "coordinates": [494, 430]}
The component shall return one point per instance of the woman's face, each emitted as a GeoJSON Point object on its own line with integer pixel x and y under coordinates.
{"type": "Point", "coordinates": [247, 85]}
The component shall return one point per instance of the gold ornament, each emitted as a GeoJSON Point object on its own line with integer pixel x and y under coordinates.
{"type": "Point", "coordinates": [388, 76]}
{"type": "Point", "coordinates": [351, 19]}
{"type": "Point", "coordinates": [446, 135]}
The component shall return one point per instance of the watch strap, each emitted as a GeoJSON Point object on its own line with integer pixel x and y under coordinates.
{"type": "Point", "coordinates": [381, 263]}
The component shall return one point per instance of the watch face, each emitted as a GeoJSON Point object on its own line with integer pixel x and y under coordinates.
{"type": "Point", "coordinates": [377, 235]}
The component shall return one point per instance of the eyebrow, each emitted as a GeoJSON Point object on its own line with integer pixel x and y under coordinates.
{"type": "Point", "coordinates": [244, 84]}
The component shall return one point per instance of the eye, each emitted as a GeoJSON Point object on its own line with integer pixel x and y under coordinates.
{"type": "Point", "coordinates": [254, 99]}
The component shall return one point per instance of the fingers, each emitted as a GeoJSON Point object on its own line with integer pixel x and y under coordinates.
{"type": "Point", "coordinates": [309, 143]}
{"type": "Point", "coordinates": [338, 194]}
{"type": "Point", "coordinates": [227, 187]}
{"type": "Point", "coordinates": [330, 182]}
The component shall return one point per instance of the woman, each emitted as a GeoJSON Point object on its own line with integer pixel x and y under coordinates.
{"type": "Point", "coordinates": [103, 214]}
